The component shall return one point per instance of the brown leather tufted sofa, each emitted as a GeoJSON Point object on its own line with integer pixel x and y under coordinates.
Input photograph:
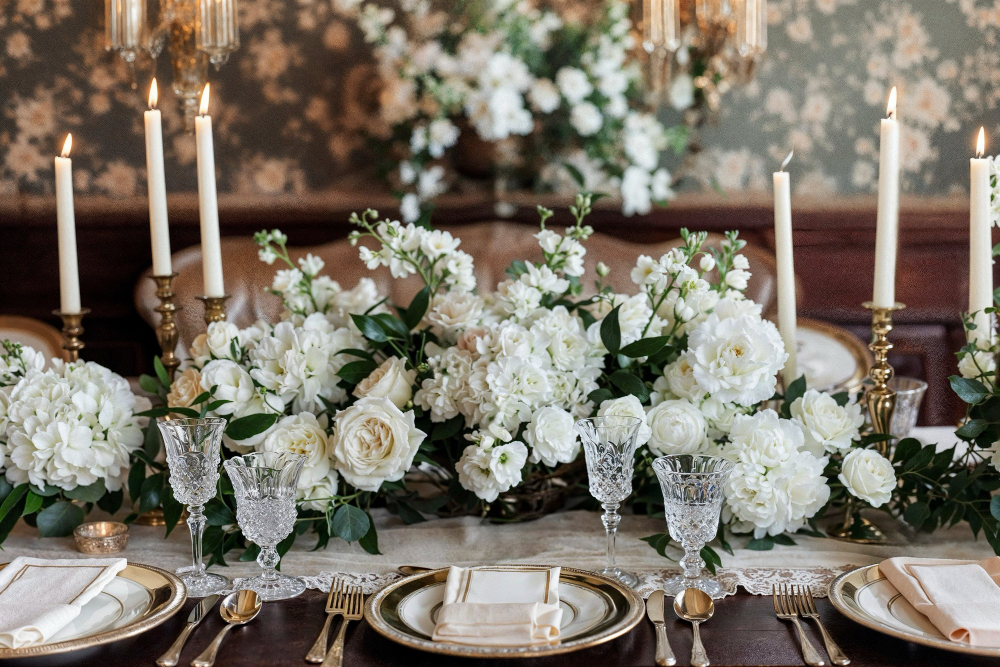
{"type": "Point", "coordinates": [494, 245]}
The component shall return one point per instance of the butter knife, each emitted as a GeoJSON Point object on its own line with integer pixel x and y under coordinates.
{"type": "Point", "coordinates": [654, 610]}
{"type": "Point", "coordinates": [173, 654]}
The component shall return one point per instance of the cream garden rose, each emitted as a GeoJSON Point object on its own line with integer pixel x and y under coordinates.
{"type": "Point", "coordinates": [374, 442]}
{"type": "Point", "coordinates": [827, 426]}
{"type": "Point", "coordinates": [391, 380]}
{"type": "Point", "coordinates": [303, 434]}
{"type": "Point", "coordinates": [676, 427]}
{"type": "Point", "coordinates": [185, 388]}
{"type": "Point", "coordinates": [868, 475]}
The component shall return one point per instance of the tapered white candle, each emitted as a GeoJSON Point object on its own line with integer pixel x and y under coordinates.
{"type": "Point", "coordinates": [887, 230]}
{"type": "Point", "coordinates": [159, 231]}
{"type": "Point", "coordinates": [208, 203]}
{"type": "Point", "coordinates": [980, 243]}
{"type": "Point", "coordinates": [69, 274]}
{"type": "Point", "coordinates": [786, 267]}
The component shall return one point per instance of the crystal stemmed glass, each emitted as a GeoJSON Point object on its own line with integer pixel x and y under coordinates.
{"type": "Point", "coordinates": [609, 446]}
{"type": "Point", "coordinates": [692, 498]}
{"type": "Point", "coordinates": [193, 453]}
{"type": "Point", "coordinates": [265, 484]}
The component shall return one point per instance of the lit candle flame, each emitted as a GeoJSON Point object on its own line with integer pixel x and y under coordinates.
{"type": "Point", "coordinates": [784, 163]}
{"type": "Point", "coordinates": [981, 144]}
{"type": "Point", "coordinates": [153, 94]}
{"type": "Point", "coordinates": [68, 145]}
{"type": "Point", "coordinates": [203, 109]}
{"type": "Point", "coordinates": [890, 109]}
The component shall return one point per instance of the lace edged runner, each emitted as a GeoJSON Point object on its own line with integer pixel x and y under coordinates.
{"type": "Point", "coordinates": [754, 580]}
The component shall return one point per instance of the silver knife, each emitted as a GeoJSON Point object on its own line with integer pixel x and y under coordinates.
{"type": "Point", "coordinates": [173, 654]}
{"type": "Point", "coordinates": [654, 610]}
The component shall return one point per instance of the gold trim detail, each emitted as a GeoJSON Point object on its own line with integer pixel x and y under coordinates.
{"type": "Point", "coordinates": [858, 350]}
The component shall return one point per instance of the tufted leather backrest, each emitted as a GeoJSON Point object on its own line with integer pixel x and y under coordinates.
{"type": "Point", "coordinates": [493, 245]}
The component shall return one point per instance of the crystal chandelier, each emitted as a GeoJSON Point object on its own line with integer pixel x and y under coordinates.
{"type": "Point", "coordinates": [718, 43]}
{"type": "Point", "coordinates": [195, 33]}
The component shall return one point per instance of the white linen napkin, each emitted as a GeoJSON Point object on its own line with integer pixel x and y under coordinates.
{"type": "Point", "coordinates": [505, 605]}
{"type": "Point", "coordinates": [39, 597]}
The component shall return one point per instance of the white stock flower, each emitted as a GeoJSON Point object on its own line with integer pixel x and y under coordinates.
{"type": "Point", "coordinates": [441, 134]}
{"type": "Point", "coordinates": [391, 380]}
{"type": "Point", "coordinates": [409, 210]}
{"type": "Point", "coordinates": [374, 442]}
{"type": "Point", "coordinates": [736, 360]}
{"type": "Point", "coordinates": [303, 434]}
{"type": "Point", "coordinates": [506, 462]}
{"type": "Point", "coordinates": [475, 474]}
{"type": "Point", "coordinates": [868, 475]}
{"type": "Point", "coordinates": [827, 426]}
{"type": "Point", "coordinates": [977, 365]}
{"type": "Point", "coordinates": [574, 84]}
{"type": "Point", "coordinates": [552, 437]}
{"type": "Point", "coordinates": [517, 299]}
{"type": "Point", "coordinates": [543, 278]}
{"type": "Point", "coordinates": [627, 406]}
{"type": "Point", "coordinates": [636, 195]}
{"type": "Point", "coordinates": [676, 427]}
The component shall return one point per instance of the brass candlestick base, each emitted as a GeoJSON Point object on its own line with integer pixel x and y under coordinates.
{"type": "Point", "coordinates": [881, 398]}
{"type": "Point", "coordinates": [859, 530]}
{"type": "Point", "coordinates": [215, 308]}
{"type": "Point", "coordinates": [167, 333]}
{"type": "Point", "coordinates": [72, 330]}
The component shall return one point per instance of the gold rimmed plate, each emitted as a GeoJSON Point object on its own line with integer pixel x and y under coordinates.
{"type": "Point", "coordinates": [139, 598]}
{"type": "Point", "coordinates": [865, 596]}
{"type": "Point", "coordinates": [595, 610]}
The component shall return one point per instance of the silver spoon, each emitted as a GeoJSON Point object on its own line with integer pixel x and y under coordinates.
{"type": "Point", "coordinates": [695, 607]}
{"type": "Point", "coordinates": [236, 609]}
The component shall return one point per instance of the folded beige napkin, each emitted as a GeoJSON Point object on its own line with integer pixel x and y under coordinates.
{"type": "Point", "coordinates": [39, 597]}
{"type": "Point", "coordinates": [512, 605]}
{"type": "Point", "coordinates": [960, 597]}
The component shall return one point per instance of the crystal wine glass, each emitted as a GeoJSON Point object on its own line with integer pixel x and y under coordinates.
{"type": "Point", "coordinates": [692, 498]}
{"type": "Point", "coordinates": [193, 453]}
{"type": "Point", "coordinates": [265, 483]}
{"type": "Point", "coordinates": [609, 446]}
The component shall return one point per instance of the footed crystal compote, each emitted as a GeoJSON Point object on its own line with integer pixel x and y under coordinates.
{"type": "Point", "coordinates": [609, 447]}
{"type": "Point", "coordinates": [193, 454]}
{"type": "Point", "coordinates": [692, 499]}
{"type": "Point", "coordinates": [265, 484]}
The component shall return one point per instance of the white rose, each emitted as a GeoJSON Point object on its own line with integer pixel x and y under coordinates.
{"type": "Point", "coordinates": [220, 337]}
{"type": "Point", "coordinates": [827, 426]}
{"type": "Point", "coordinates": [302, 434]}
{"type": "Point", "coordinates": [627, 406]}
{"type": "Point", "coordinates": [374, 442]}
{"type": "Point", "coordinates": [232, 383]}
{"type": "Point", "coordinates": [681, 382]}
{"type": "Point", "coordinates": [868, 475]}
{"type": "Point", "coordinates": [390, 380]}
{"type": "Point", "coordinates": [317, 497]}
{"type": "Point", "coordinates": [764, 439]}
{"type": "Point", "coordinates": [719, 416]}
{"type": "Point", "coordinates": [185, 388]}
{"type": "Point", "coordinates": [574, 84]}
{"type": "Point", "coordinates": [586, 119]}
{"type": "Point", "coordinates": [552, 437]}
{"type": "Point", "coordinates": [676, 427]}
{"type": "Point", "coordinates": [736, 360]}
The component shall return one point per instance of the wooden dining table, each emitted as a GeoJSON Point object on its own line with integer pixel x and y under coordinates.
{"type": "Point", "coordinates": [743, 631]}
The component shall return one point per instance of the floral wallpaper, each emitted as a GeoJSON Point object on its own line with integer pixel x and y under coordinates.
{"type": "Point", "coordinates": [292, 105]}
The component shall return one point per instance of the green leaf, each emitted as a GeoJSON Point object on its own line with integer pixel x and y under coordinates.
{"type": "Point", "coordinates": [516, 269]}
{"type": "Point", "coordinates": [12, 498]}
{"type": "Point", "coordinates": [249, 426]}
{"type": "Point", "coordinates": [765, 543]}
{"type": "Point", "coordinates": [32, 503]}
{"type": "Point", "coordinates": [136, 476]}
{"type": "Point", "coordinates": [784, 540]}
{"type": "Point", "coordinates": [112, 501]}
{"type": "Point", "coordinates": [842, 398]}
{"type": "Point", "coordinates": [598, 396]}
{"type": "Point", "coordinates": [448, 429]}
{"type": "Point", "coordinates": [611, 331]}
{"type": "Point", "coordinates": [630, 384]}
{"type": "Point", "coordinates": [149, 384]}
{"type": "Point", "coordinates": [970, 391]}
{"type": "Point", "coordinates": [149, 494]}
{"type": "Point", "coordinates": [795, 390]}
{"type": "Point", "coordinates": [906, 449]}
{"type": "Point", "coordinates": [212, 539]}
{"type": "Point", "coordinates": [250, 554]}
{"type": "Point", "coordinates": [645, 347]}
{"type": "Point", "coordinates": [88, 494]}
{"type": "Point", "coordinates": [369, 328]}
{"type": "Point", "coordinates": [972, 428]}
{"type": "Point", "coordinates": [48, 490]}
{"type": "Point", "coordinates": [369, 542]}
{"type": "Point", "coordinates": [916, 514]}
{"type": "Point", "coordinates": [393, 326]}
{"type": "Point", "coordinates": [361, 354]}
{"type": "Point", "coordinates": [172, 509]}
{"type": "Point", "coordinates": [59, 519]}
{"type": "Point", "coordinates": [356, 371]}
{"type": "Point", "coordinates": [994, 507]}
{"type": "Point", "coordinates": [350, 523]}
{"type": "Point", "coordinates": [151, 442]}
{"type": "Point", "coordinates": [161, 372]}
{"type": "Point", "coordinates": [711, 558]}
{"type": "Point", "coordinates": [218, 514]}
{"type": "Point", "coordinates": [920, 460]}
{"type": "Point", "coordinates": [407, 513]}
{"type": "Point", "coordinates": [417, 310]}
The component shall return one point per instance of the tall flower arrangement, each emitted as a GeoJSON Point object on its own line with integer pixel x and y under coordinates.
{"type": "Point", "coordinates": [506, 71]}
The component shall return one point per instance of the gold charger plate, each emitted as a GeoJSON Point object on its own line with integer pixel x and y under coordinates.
{"type": "Point", "coordinates": [867, 597]}
{"type": "Point", "coordinates": [595, 610]}
{"type": "Point", "coordinates": [147, 596]}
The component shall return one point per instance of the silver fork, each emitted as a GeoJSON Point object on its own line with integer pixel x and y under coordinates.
{"type": "Point", "coordinates": [784, 608]}
{"type": "Point", "coordinates": [353, 611]}
{"type": "Point", "coordinates": [807, 608]}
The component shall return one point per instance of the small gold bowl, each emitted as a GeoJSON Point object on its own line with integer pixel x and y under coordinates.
{"type": "Point", "coordinates": [101, 537]}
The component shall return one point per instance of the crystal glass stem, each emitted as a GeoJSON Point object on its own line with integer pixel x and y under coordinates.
{"type": "Point", "coordinates": [692, 562]}
{"type": "Point", "coordinates": [196, 524]}
{"type": "Point", "coordinates": [268, 559]}
{"type": "Point", "coordinates": [611, 519]}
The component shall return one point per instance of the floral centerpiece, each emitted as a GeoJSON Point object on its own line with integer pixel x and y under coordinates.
{"type": "Point", "coordinates": [556, 94]}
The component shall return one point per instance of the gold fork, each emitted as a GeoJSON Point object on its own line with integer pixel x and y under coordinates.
{"type": "Point", "coordinates": [353, 611]}
{"type": "Point", "coordinates": [807, 608]}
{"type": "Point", "coordinates": [784, 608]}
{"type": "Point", "coordinates": [334, 605]}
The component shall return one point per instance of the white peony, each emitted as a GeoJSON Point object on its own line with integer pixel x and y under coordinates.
{"type": "Point", "coordinates": [627, 406]}
{"type": "Point", "coordinates": [827, 426]}
{"type": "Point", "coordinates": [676, 427]}
{"type": "Point", "coordinates": [680, 380]}
{"type": "Point", "coordinates": [374, 442]}
{"type": "Point", "coordinates": [868, 475]}
{"type": "Point", "coordinates": [552, 437]}
{"type": "Point", "coordinates": [303, 434]}
{"type": "Point", "coordinates": [391, 380]}
{"type": "Point", "coordinates": [451, 313]}
{"type": "Point", "coordinates": [736, 360]}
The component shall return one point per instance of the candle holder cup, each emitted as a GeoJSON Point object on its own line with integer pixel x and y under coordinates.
{"type": "Point", "coordinates": [215, 308]}
{"type": "Point", "coordinates": [167, 333]}
{"type": "Point", "coordinates": [72, 331]}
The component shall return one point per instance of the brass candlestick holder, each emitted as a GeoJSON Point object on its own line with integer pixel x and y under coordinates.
{"type": "Point", "coordinates": [215, 308]}
{"type": "Point", "coordinates": [72, 331]}
{"type": "Point", "coordinates": [167, 333]}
